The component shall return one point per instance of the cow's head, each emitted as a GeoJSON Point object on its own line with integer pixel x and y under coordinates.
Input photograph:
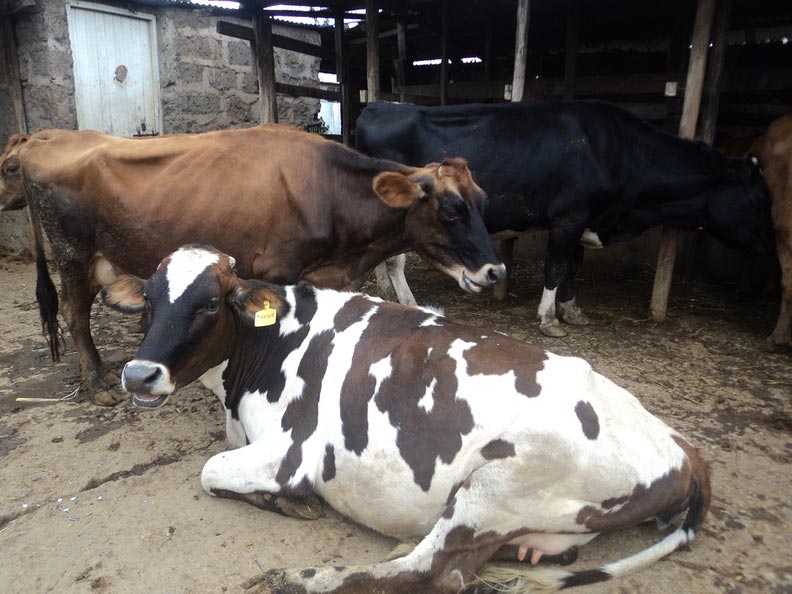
{"type": "Point", "coordinates": [443, 222]}
{"type": "Point", "coordinates": [740, 214]}
{"type": "Point", "coordinates": [12, 191]}
{"type": "Point", "coordinates": [194, 304]}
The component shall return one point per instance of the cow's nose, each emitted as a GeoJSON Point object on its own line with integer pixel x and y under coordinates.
{"type": "Point", "coordinates": [141, 376]}
{"type": "Point", "coordinates": [496, 273]}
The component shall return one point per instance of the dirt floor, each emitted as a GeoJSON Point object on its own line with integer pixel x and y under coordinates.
{"type": "Point", "coordinates": [109, 500]}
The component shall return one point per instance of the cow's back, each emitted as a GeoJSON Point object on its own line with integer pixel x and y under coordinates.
{"type": "Point", "coordinates": [242, 190]}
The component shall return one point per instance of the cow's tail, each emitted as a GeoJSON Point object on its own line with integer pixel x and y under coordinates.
{"type": "Point", "coordinates": [512, 579]}
{"type": "Point", "coordinates": [46, 293]}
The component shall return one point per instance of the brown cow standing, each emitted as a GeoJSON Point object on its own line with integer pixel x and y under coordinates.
{"type": "Point", "coordinates": [774, 149]}
{"type": "Point", "coordinates": [289, 206]}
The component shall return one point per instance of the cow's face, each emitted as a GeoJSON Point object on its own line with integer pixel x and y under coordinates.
{"type": "Point", "coordinates": [443, 223]}
{"type": "Point", "coordinates": [12, 192]}
{"type": "Point", "coordinates": [194, 303]}
{"type": "Point", "coordinates": [741, 215]}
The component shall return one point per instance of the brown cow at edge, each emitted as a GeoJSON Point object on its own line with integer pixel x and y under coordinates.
{"type": "Point", "coordinates": [774, 149]}
{"type": "Point", "coordinates": [288, 205]}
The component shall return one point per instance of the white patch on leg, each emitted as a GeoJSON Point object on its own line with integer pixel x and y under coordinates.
{"type": "Point", "coordinates": [184, 266]}
{"type": "Point", "coordinates": [589, 239]}
{"type": "Point", "coordinates": [546, 311]}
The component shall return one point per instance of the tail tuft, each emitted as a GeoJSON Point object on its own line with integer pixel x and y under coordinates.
{"type": "Point", "coordinates": [47, 297]}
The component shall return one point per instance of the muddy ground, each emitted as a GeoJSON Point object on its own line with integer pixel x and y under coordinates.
{"type": "Point", "coordinates": [109, 500]}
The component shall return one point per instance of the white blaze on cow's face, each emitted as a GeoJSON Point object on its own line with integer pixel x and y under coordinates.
{"type": "Point", "coordinates": [186, 265]}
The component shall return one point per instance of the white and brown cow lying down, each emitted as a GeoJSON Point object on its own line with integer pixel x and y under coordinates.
{"type": "Point", "coordinates": [410, 424]}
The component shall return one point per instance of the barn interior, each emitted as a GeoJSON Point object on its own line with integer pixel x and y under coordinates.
{"type": "Point", "coordinates": [110, 500]}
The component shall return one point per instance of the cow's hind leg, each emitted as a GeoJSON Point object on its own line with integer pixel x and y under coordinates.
{"type": "Point", "coordinates": [446, 561]}
{"type": "Point", "coordinates": [782, 333]}
{"type": "Point", "coordinates": [568, 309]}
{"type": "Point", "coordinates": [79, 291]}
{"type": "Point", "coordinates": [562, 253]}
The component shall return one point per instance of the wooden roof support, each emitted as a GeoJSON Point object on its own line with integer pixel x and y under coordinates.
{"type": "Point", "coordinates": [687, 129]}
{"type": "Point", "coordinates": [372, 52]}
{"type": "Point", "coordinates": [265, 67]}
{"type": "Point", "coordinates": [501, 290]}
{"type": "Point", "coordinates": [342, 75]}
{"type": "Point", "coordinates": [443, 52]}
{"type": "Point", "coordinates": [712, 85]}
{"type": "Point", "coordinates": [570, 53]}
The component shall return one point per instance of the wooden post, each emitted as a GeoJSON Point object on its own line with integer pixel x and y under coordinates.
{"type": "Point", "coordinates": [720, 35]}
{"type": "Point", "coordinates": [687, 129]}
{"type": "Point", "coordinates": [488, 65]}
{"type": "Point", "coordinates": [342, 74]}
{"type": "Point", "coordinates": [14, 80]}
{"type": "Point", "coordinates": [520, 50]}
{"type": "Point", "coordinates": [501, 290]}
{"type": "Point", "coordinates": [400, 62]}
{"type": "Point", "coordinates": [443, 52]}
{"type": "Point", "coordinates": [265, 67]}
{"type": "Point", "coordinates": [570, 57]}
{"type": "Point", "coordinates": [372, 52]}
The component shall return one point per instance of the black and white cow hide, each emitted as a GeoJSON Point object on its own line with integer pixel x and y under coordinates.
{"type": "Point", "coordinates": [410, 424]}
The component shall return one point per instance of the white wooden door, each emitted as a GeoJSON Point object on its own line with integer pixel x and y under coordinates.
{"type": "Point", "coordinates": [115, 69]}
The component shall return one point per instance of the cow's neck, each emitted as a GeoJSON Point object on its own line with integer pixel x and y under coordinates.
{"type": "Point", "coordinates": [366, 232]}
{"type": "Point", "coordinates": [257, 357]}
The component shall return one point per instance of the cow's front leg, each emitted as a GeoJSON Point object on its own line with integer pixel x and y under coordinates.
{"type": "Point", "coordinates": [78, 293]}
{"type": "Point", "coordinates": [446, 561]}
{"type": "Point", "coordinates": [392, 282]}
{"type": "Point", "coordinates": [249, 474]}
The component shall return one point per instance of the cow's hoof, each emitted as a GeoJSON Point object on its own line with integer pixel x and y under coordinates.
{"type": "Point", "coordinates": [572, 314]}
{"type": "Point", "coordinates": [552, 329]}
{"type": "Point", "coordinates": [306, 508]}
{"type": "Point", "coordinates": [111, 379]}
{"type": "Point", "coordinates": [107, 398]}
{"type": "Point", "coordinates": [773, 345]}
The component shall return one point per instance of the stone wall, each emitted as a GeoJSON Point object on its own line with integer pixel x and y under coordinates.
{"type": "Point", "coordinates": [45, 71]}
{"type": "Point", "coordinates": [208, 80]}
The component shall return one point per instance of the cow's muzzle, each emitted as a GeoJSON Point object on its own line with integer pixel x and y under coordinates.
{"type": "Point", "coordinates": [150, 383]}
{"type": "Point", "coordinates": [486, 276]}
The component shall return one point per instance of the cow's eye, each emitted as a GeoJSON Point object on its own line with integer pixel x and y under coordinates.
{"type": "Point", "coordinates": [12, 168]}
{"type": "Point", "coordinates": [452, 208]}
{"type": "Point", "coordinates": [213, 305]}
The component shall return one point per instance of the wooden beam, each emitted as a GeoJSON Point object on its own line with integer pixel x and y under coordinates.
{"type": "Point", "coordinates": [287, 43]}
{"type": "Point", "coordinates": [400, 63]}
{"type": "Point", "coordinates": [687, 129]}
{"type": "Point", "coordinates": [342, 74]}
{"type": "Point", "coordinates": [720, 33]}
{"type": "Point", "coordinates": [571, 46]}
{"type": "Point", "coordinates": [312, 92]}
{"type": "Point", "coordinates": [383, 35]}
{"type": "Point", "coordinates": [520, 49]}
{"type": "Point", "coordinates": [443, 52]}
{"type": "Point", "coordinates": [372, 52]}
{"type": "Point", "coordinates": [501, 290]}
{"type": "Point", "coordinates": [12, 69]}
{"type": "Point", "coordinates": [265, 67]}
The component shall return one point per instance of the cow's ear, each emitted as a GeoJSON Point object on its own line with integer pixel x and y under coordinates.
{"type": "Point", "coordinates": [257, 303]}
{"type": "Point", "coordinates": [125, 294]}
{"type": "Point", "coordinates": [397, 190]}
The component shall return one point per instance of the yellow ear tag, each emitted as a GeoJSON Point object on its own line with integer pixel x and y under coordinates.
{"type": "Point", "coordinates": [266, 316]}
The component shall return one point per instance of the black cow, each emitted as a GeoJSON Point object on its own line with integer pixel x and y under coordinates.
{"type": "Point", "coordinates": [590, 172]}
